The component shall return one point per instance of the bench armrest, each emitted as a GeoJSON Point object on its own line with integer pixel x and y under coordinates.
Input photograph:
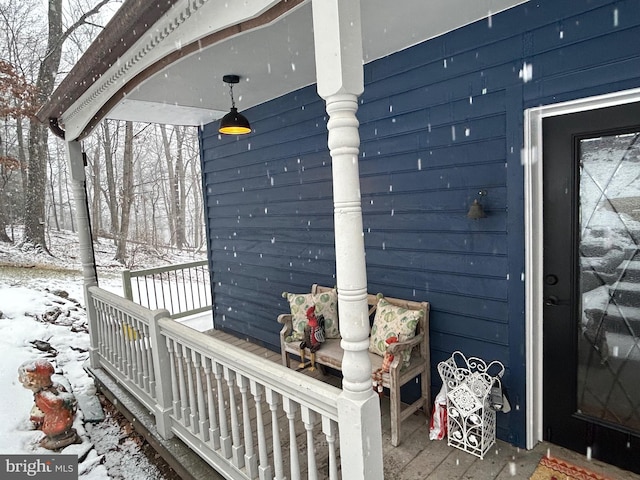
{"type": "Point", "coordinates": [398, 347]}
{"type": "Point", "coordinates": [285, 319]}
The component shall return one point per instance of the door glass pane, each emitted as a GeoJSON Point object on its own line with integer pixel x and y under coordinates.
{"type": "Point", "coordinates": [609, 336]}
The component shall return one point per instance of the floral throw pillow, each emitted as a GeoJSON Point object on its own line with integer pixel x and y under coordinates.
{"type": "Point", "coordinates": [393, 321]}
{"type": "Point", "coordinates": [299, 303]}
{"type": "Point", "coordinates": [327, 305]}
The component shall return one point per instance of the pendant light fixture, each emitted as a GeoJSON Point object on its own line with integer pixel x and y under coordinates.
{"type": "Point", "coordinates": [233, 123]}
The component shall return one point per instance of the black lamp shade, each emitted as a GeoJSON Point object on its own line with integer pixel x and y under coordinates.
{"type": "Point", "coordinates": [234, 123]}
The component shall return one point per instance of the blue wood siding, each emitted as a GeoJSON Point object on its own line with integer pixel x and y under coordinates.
{"type": "Point", "coordinates": [440, 122]}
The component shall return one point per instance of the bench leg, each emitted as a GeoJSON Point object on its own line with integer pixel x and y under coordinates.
{"type": "Point", "coordinates": [286, 360]}
{"type": "Point", "coordinates": [396, 405]}
{"type": "Point", "coordinates": [426, 395]}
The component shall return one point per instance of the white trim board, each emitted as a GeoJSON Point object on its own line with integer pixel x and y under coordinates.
{"type": "Point", "coordinates": [533, 208]}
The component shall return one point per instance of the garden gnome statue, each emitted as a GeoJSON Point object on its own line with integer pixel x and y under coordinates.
{"type": "Point", "coordinates": [54, 407]}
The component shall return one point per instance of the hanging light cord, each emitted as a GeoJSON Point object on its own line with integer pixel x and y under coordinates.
{"type": "Point", "coordinates": [233, 103]}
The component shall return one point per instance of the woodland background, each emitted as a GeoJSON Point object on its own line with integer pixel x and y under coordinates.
{"type": "Point", "coordinates": [143, 181]}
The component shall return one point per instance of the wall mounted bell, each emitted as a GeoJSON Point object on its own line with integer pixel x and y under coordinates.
{"type": "Point", "coordinates": [476, 211]}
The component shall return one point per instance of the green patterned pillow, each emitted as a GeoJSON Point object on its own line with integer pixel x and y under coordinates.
{"type": "Point", "coordinates": [327, 305]}
{"type": "Point", "coordinates": [391, 321]}
{"type": "Point", "coordinates": [298, 303]}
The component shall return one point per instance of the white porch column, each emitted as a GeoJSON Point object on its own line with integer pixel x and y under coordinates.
{"type": "Point", "coordinates": [78, 180]}
{"type": "Point", "coordinates": [338, 50]}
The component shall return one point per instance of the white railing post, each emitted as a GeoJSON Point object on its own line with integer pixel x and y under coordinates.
{"type": "Point", "coordinates": [163, 368]}
{"type": "Point", "coordinates": [338, 50]}
{"type": "Point", "coordinates": [126, 285]}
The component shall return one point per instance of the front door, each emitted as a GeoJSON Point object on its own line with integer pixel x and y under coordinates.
{"type": "Point", "coordinates": [591, 351]}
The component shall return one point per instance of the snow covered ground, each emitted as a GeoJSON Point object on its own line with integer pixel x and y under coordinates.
{"type": "Point", "coordinates": [41, 299]}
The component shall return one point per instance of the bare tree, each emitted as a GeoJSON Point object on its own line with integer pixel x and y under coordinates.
{"type": "Point", "coordinates": [96, 207]}
{"type": "Point", "coordinates": [16, 101]}
{"type": "Point", "coordinates": [110, 193]}
{"type": "Point", "coordinates": [34, 227]}
{"type": "Point", "coordinates": [127, 194]}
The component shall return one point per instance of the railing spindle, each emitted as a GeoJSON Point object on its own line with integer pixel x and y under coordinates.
{"type": "Point", "coordinates": [264, 469]}
{"type": "Point", "coordinates": [97, 306]}
{"type": "Point", "coordinates": [193, 409]}
{"type": "Point", "coordinates": [290, 408]}
{"type": "Point", "coordinates": [250, 460]}
{"type": "Point", "coordinates": [139, 292]}
{"type": "Point", "coordinates": [203, 423]}
{"type": "Point", "coordinates": [184, 290]}
{"type": "Point", "coordinates": [175, 389]}
{"type": "Point", "coordinates": [308, 418]}
{"type": "Point", "coordinates": [146, 289]}
{"type": "Point", "coordinates": [111, 342]}
{"type": "Point", "coordinates": [273, 399]}
{"type": "Point", "coordinates": [122, 347]}
{"type": "Point", "coordinates": [145, 351]}
{"type": "Point", "coordinates": [184, 399]}
{"type": "Point", "coordinates": [329, 428]}
{"type": "Point", "coordinates": [214, 430]}
{"type": "Point", "coordinates": [138, 339]}
{"type": "Point", "coordinates": [170, 290]}
{"type": "Point", "coordinates": [237, 448]}
{"type": "Point", "coordinates": [225, 439]}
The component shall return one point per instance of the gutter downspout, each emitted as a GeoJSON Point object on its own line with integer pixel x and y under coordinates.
{"type": "Point", "coordinates": [75, 158]}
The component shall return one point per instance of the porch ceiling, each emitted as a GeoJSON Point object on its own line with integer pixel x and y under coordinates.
{"type": "Point", "coordinates": [272, 60]}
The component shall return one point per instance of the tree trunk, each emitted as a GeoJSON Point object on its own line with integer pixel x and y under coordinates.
{"type": "Point", "coordinates": [181, 197]}
{"type": "Point", "coordinates": [38, 134]}
{"type": "Point", "coordinates": [53, 198]}
{"type": "Point", "coordinates": [127, 193]}
{"type": "Point", "coordinates": [96, 217]}
{"type": "Point", "coordinates": [4, 203]}
{"type": "Point", "coordinates": [172, 203]}
{"type": "Point", "coordinates": [22, 155]}
{"type": "Point", "coordinates": [112, 201]}
{"type": "Point", "coordinates": [66, 183]}
{"type": "Point", "coordinates": [198, 214]}
{"type": "Point", "coordinates": [34, 223]}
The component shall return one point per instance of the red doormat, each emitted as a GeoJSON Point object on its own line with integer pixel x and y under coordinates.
{"type": "Point", "coordinates": [551, 468]}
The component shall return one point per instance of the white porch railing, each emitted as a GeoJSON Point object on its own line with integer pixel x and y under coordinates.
{"type": "Point", "coordinates": [247, 417]}
{"type": "Point", "coordinates": [183, 289]}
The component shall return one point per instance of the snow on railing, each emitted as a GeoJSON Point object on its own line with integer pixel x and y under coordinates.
{"type": "Point", "coordinates": [183, 289]}
{"type": "Point", "coordinates": [247, 417]}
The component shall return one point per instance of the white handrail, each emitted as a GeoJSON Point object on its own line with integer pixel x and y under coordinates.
{"type": "Point", "coordinates": [217, 397]}
{"type": "Point", "coordinates": [309, 392]}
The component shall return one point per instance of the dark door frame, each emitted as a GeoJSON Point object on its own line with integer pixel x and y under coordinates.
{"type": "Point", "coordinates": [534, 235]}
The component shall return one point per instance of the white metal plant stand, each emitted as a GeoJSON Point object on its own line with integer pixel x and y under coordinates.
{"type": "Point", "coordinates": [471, 420]}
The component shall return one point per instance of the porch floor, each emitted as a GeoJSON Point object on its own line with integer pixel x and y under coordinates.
{"type": "Point", "coordinates": [417, 457]}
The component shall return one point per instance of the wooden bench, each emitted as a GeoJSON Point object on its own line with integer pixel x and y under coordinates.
{"type": "Point", "coordinates": [330, 355]}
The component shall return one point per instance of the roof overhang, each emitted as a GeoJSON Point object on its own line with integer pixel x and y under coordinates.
{"type": "Point", "coordinates": [165, 64]}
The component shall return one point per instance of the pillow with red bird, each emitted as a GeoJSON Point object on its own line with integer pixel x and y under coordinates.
{"type": "Point", "coordinates": [298, 303]}
{"type": "Point", "coordinates": [393, 321]}
{"type": "Point", "coordinates": [326, 304]}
